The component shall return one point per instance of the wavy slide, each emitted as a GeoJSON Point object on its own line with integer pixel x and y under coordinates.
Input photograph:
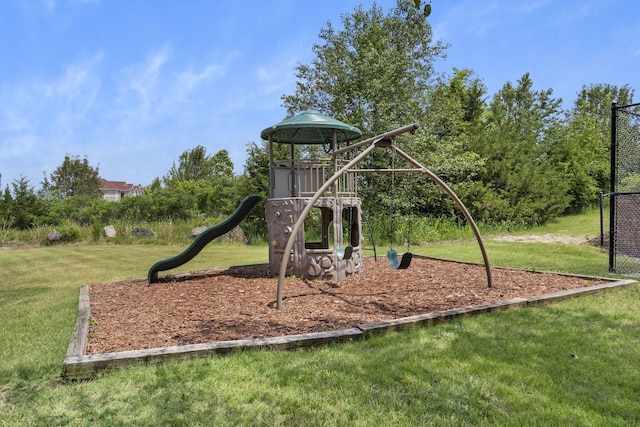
{"type": "Point", "coordinates": [204, 238]}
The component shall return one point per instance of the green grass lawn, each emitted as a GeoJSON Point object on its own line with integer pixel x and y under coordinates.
{"type": "Point", "coordinates": [574, 363]}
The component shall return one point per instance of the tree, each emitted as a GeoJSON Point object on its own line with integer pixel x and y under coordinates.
{"type": "Point", "coordinates": [23, 206]}
{"type": "Point", "coordinates": [374, 73]}
{"type": "Point", "coordinates": [455, 115]}
{"type": "Point", "coordinates": [195, 164]}
{"type": "Point", "coordinates": [521, 185]}
{"type": "Point", "coordinates": [581, 155]}
{"type": "Point", "coordinates": [596, 100]}
{"type": "Point", "coordinates": [74, 177]}
{"type": "Point", "coordinates": [222, 165]}
{"type": "Point", "coordinates": [581, 152]}
{"type": "Point", "coordinates": [206, 184]}
{"type": "Point", "coordinates": [5, 205]}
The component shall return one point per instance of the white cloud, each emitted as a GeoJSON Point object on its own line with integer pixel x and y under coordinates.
{"type": "Point", "coordinates": [52, 5]}
{"type": "Point", "coordinates": [189, 80]}
{"type": "Point", "coordinates": [41, 119]}
{"type": "Point", "coordinates": [162, 89]}
{"type": "Point", "coordinates": [50, 107]}
{"type": "Point", "coordinates": [18, 146]}
{"type": "Point", "coordinates": [74, 93]}
{"type": "Point", "coordinates": [49, 5]}
{"type": "Point", "coordinates": [528, 7]}
{"type": "Point", "coordinates": [138, 88]}
{"type": "Point", "coordinates": [468, 19]}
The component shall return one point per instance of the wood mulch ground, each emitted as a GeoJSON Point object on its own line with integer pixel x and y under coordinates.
{"type": "Point", "coordinates": [239, 302]}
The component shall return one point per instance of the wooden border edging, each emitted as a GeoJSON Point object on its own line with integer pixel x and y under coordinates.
{"type": "Point", "coordinates": [78, 342]}
{"type": "Point", "coordinates": [79, 366]}
{"type": "Point", "coordinates": [437, 317]}
{"type": "Point", "coordinates": [85, 366]}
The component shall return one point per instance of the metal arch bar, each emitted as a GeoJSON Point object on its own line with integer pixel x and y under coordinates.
{"type": "Point", "coordinates": [374, 143]}
{"type": "Point", "coordinates": [458, 202]}
{"type": "Point", "coordinates": [374, 170]}
{"type": "Point", "coordinates": [375, 139]}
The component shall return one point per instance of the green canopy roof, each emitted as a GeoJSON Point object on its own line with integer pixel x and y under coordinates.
{"type": "Point", "coordinates": [310, 127]}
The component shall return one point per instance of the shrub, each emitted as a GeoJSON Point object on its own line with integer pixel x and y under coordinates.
{"type": "Point", "coordinates": [69, 233]}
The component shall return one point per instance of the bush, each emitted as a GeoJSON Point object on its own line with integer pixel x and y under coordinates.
{"type": "Point", "coordinates": [69, 233]}
{"type": "Point", "coordinates": [96, 231]}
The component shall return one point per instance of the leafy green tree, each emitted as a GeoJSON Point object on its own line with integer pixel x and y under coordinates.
{"type": "Point", "coordinates": [5, 205]}
{"type": "Point", "coordinates": [374, 73]}
{"type": "Point", "coordinates": [157, 204]}
{"type": "Point", "coordinates": [24, 207]}
{"type": "Point", "coordinates": [586, 151]}
{"type": "Point", "coordinates": [580, 155]}
{"type": "Point", "coordinates": [454, 117]}
{"type": "Point", "coordinates": [74, 177]}
{"type": "Point", "coordinates": [195, 164]}
{"type": "Point", "coordinates": [204, 184]}
{"type": "Point", "coordinates": [596, 100]}
{"type": "Point", "coordinates": [222, 165]}
{"type": "Point", "coordinates": [199, 185]}
{"type": "Point", "coordinates": [520, 184]}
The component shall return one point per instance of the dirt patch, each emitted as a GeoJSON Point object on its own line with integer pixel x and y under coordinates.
{"type": "Point", "coordinates": [239, 302]}
{"type": "Point", "coordinates": [548, 238]}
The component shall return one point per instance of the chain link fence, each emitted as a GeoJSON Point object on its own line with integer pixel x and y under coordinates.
{"type": "Point", "coordinates": [624, 232]}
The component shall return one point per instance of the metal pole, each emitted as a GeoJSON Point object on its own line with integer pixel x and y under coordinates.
{"type": "Point", "coordinates": [334, 147]}
{"type": "Point", "coordinates": [601, 220]}
{"type": "Point", "coordinates": [272, 172]}
{"type": "Point", "coordinates": [381, 137]}
{"type": "Point", "coordinates": [612, 196]}
{"type": "Point", "coordinates": [294, 187]}
{"type": "Point", "coordinates": [461, 205]}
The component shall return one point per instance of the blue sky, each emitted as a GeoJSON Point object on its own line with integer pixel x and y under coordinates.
{"type": "Point", "coordinates": [132, 84]}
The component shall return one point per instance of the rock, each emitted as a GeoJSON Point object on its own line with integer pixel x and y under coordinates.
{"type": "Point", "coordinates": [109, 231]}
{"type": "Point", "coordinates": [197, 231]}
{"type": "Point", "coordinates": [142, 232]}
{"type": "Point", "coordinates": [236, 235]}
{"type": "Point", "coordinates": [53, 236]}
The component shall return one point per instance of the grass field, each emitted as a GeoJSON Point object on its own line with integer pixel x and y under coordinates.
{"type": "Point", "coordinates": [574, 363]}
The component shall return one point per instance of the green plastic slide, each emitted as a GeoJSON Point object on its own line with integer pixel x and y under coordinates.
{"type": "Point", "coordinates": [204, 238]}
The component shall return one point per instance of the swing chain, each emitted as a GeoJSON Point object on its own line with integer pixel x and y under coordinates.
{"type": "Point", "coordinates": [412, 199]}
{"type": "Point", "coordinates": [393, 191]}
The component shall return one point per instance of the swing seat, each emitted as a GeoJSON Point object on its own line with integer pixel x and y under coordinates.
{"type": "Point", "coordinates": [405, 261]}
{"type": "Point", "coordinates": [396, 264]}
{"type": "Point", "coordinates": [344, 253]}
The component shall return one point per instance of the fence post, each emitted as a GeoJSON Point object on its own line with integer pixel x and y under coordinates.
{"type": "Point", "coordinates": [601, 222]}
{"type": "Point", "coordinates": [612, 196]}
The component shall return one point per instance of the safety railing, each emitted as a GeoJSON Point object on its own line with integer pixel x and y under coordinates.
{"type": "Point", "coordinates": [303, 178]}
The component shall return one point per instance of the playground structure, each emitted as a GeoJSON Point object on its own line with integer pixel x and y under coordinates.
{"type": "Point", "coordinates": [328, 186]}
{"type": "Point", "coordinates": [293, 183]}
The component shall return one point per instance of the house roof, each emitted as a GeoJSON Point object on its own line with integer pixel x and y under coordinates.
{"type": "Point", "coordinates": [119, 186]}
